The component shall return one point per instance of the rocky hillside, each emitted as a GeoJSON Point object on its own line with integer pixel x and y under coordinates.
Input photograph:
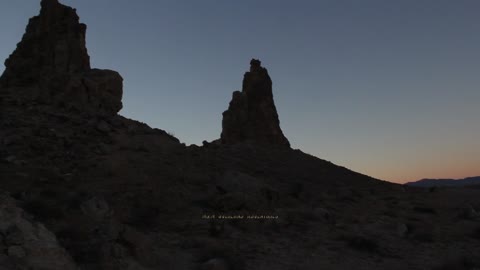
{"type": "Point", "coordinates": [85, 188]}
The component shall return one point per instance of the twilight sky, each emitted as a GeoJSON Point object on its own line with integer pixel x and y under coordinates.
{"type": "Point", "coordinates": [388, 88]}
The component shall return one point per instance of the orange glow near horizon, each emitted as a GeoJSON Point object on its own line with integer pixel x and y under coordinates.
{"type": "Point", "coordinates": [434, 169]}
{"type": "Point", "coordinates": [433, 159]}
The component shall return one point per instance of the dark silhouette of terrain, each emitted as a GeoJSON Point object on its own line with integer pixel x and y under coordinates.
{"type": "Point", "coordinates": [82, 187]}
{"type": "Point", "coordinates": [469, 181]}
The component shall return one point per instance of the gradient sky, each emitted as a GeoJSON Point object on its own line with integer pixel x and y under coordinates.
{"type": "Point", "coordinates": [388, 88]}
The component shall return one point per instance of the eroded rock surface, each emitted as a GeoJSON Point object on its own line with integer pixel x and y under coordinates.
{"type": "Point", "coordinates": [252, 115]}
{"type": "Point", "coordinates": [51, 65]}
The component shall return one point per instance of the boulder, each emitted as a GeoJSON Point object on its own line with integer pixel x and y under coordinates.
{"type": "Point", "coordinates": [29, 243]}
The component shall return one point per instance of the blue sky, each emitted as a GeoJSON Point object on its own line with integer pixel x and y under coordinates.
{"type": "Point", "coordinates": [386, 88]}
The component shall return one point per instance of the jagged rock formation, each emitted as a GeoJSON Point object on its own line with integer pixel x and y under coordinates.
{"type": "Point", "coordinates": [252, 115]}
{"type": "Point", "coordinates": [51, 65]}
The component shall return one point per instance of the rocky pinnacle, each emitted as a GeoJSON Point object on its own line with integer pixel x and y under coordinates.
{"type": "Point", "coordinates": [51, 65]}
{"type": "Point", "coordinates": [54, 42]}
{"type": "Point", "coordinates": [251, 115]}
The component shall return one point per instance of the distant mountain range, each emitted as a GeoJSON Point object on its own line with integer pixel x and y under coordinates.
{"type": "Point", "coordinates": [469, 181]}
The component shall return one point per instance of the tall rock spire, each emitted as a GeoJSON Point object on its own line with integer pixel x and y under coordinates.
{"type": "Point", "coordinates": [54, 42]}
{"type": "Point", "coordinates": [251, 115]}
{"type": "Point", "coordinates": [51, 65]}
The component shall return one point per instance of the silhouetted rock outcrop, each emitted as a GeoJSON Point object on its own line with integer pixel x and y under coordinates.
{"type": "Point", "coordinates": [51, 65]}
{"type": "Point", "coordinates": [252, 115]}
